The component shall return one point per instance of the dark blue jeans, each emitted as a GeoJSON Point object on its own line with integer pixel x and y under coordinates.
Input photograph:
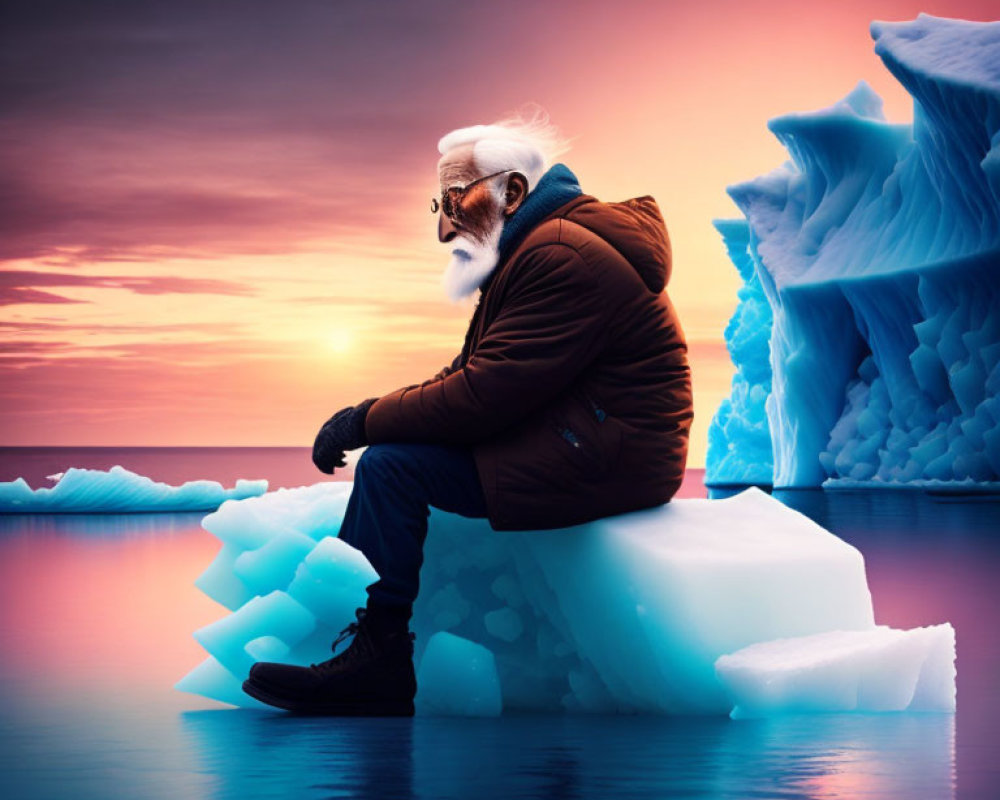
{"type": "Point", "coordinates": [386, 516]}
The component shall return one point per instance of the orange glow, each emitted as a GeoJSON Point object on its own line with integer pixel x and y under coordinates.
{"type": "Point", "coordinates": [255, 279]}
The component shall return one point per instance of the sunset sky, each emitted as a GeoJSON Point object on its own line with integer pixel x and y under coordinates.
{"type": "Point", "coordinates": [215, 216]}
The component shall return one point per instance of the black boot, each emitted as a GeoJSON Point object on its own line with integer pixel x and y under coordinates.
{"type": "Point", "coordinates": [374, 676]}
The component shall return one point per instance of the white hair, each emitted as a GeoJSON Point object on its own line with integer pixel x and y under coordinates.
{"type": "Point", "coordinates": [529, 145]}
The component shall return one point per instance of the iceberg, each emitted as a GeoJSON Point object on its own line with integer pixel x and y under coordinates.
{"type": "Point", "coordinates": [458, 678]}
{"type": "Point", "coordinates": [627, 614]}
{"type": "Point", "coordinates": [118, 490]}
{"type": "Point", "coordinates": [867, 336]}
{"type": "Point", "coordinates": [875, 670]}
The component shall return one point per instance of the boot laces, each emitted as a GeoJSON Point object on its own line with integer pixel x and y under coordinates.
{"type": "Point", "coordinates": [353, 649]}
{"type": "Point", "coordinates": [351, 629]}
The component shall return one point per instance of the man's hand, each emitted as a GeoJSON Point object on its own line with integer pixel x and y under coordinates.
{"type": "Point", "coordinates": [345, 430]}
{"type": "Point", "coordinates": [328, 460]}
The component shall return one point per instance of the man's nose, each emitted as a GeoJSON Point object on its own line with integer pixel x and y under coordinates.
{"type": "Point", "coordinates": [446, 230]}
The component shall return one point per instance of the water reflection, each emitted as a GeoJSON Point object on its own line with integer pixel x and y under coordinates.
{"type": "Point", "coordinates": [260, 754]}
{"type": "Point", "coordinates": [99, 526]}
{"type": "Point", "coordinates": [900, 512]}
{"type": "Point", "coordinates": [820, 756]}
{"type": "Point", "coordinates": [96, 615]}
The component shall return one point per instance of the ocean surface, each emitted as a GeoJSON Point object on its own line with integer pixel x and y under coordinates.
{"type": "Point", "coordinates": [97, 611]}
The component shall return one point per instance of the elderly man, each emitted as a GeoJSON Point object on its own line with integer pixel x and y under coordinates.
{"type": "Point", "coordinates": [570, 401]}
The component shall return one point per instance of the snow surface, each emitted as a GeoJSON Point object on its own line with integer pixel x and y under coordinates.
{"type": "Point", "coordinates": [876, 670]}
{"type": "Point", "coordinates": [867, 338]}
{"type": "Point", "coordinates": [625, 614]}
{"type": "Point", "coordinates": [119, 490]}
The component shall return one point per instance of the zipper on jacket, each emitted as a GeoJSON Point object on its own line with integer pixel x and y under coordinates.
{"type": "Point", "coordinates": [568, 434]}
{"type": "Point", "coordinates": [598, 411]}
{"type": "Point", "coordinates": [560, 426]}
{"type": "Point", "coordinates": [570, 437]}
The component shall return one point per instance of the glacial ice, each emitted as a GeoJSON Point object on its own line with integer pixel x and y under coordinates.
{"type": "Point", "coordinates": [624, 614]}
{"type": "Point", "coordinates": [867, 336]}
{"type": "Point", "coordinates": [458, 678]}
{"type": "Point", "coordinates": [119, 491]}
{"type": "Point", "coordinates": [874, 670]}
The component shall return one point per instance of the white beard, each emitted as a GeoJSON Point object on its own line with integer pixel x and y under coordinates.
{"type": "Point", "coordinates": [471, 262]}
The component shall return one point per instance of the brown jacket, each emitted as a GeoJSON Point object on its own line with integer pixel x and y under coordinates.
{"type": "Point", "coordinates": [573, 387]}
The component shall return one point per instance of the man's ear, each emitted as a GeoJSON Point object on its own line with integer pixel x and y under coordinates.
{"type": "Point", "coordinates": [517, 190]}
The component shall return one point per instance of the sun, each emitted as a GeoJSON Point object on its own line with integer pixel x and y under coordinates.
{"type": "Point", "coordinates": [340, 341]}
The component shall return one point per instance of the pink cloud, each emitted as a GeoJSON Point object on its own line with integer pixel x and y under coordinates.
{"type": "Point", "coordinates": [12, 295]}
{"type": "Point", "coordinates": [16, 285]}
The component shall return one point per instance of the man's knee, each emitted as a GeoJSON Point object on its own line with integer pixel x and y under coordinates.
{"type": "Point", "coordinates": [383, 458]}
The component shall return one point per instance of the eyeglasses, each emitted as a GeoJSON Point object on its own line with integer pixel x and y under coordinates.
{"type": "Point", "coordinates": [453, 195]}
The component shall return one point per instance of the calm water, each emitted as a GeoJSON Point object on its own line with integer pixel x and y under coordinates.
{"type": "Point", "coordinates": [96, 615]}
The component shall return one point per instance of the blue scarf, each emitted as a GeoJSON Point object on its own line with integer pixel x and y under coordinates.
{"type": "Point", "coordinates": [555, 188]}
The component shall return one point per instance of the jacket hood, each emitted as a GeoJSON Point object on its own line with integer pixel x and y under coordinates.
{"type": "Point", "coordinates": [635, 228]}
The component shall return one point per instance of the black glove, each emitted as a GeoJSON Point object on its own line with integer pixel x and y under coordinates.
{"type": "Point", "coordinates": [345, 430]}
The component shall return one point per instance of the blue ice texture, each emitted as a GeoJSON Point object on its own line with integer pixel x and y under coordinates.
{"type": "Point", "coordinates": [119, 491]}
{"type": "Point", "coordinates": [866, 341]}
{"type": "Point", "coordinates": [626, 614]}
{"type": "Point", "coordinates": [880, 669]}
